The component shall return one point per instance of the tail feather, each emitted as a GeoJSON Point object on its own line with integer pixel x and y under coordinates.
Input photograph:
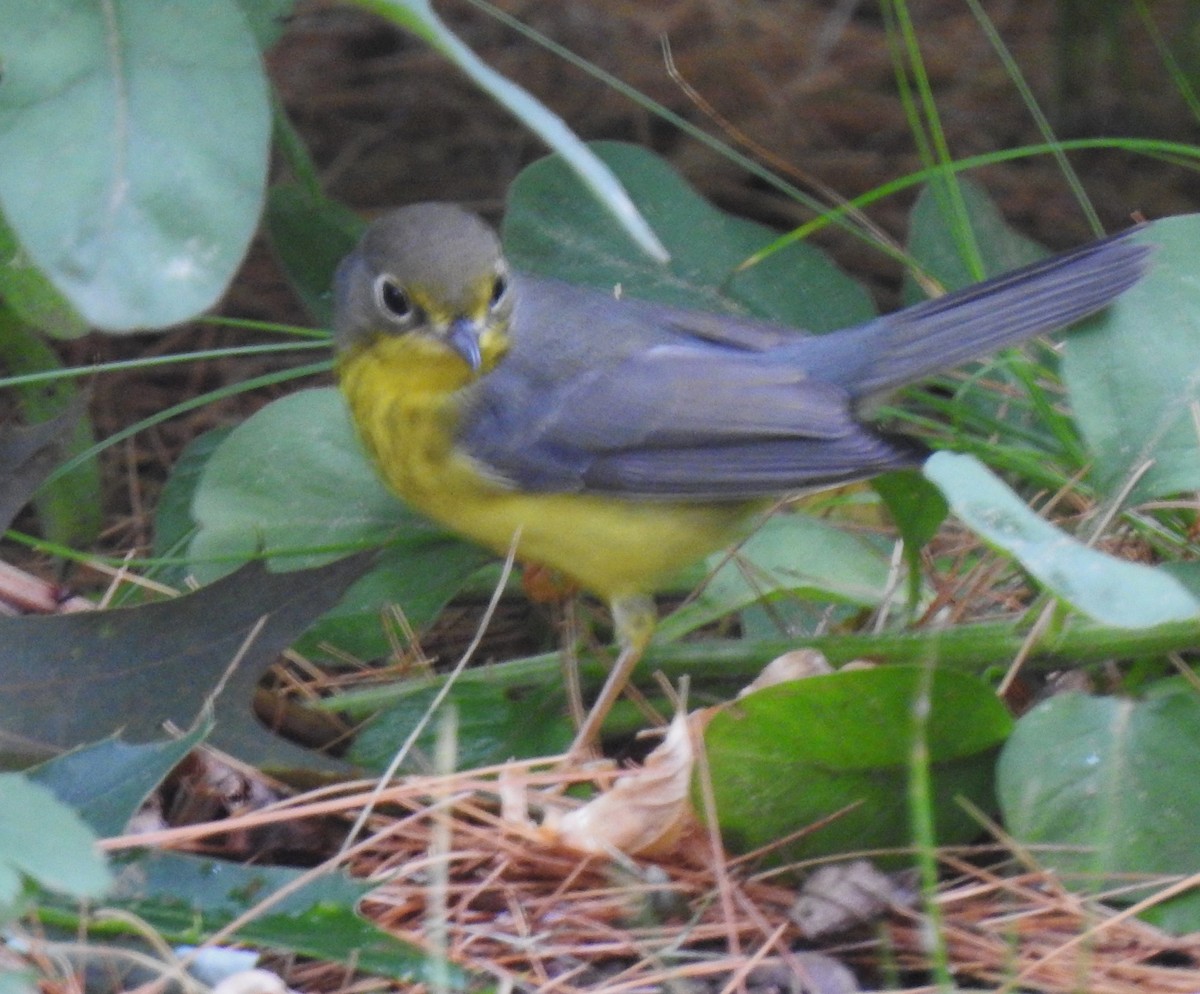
{"type": "Point", "coordinates": [970, 323]}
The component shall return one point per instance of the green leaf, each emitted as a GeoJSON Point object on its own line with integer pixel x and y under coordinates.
{"type": "Point", "coordinates": [1109, 590]}
{"type": "Point", "coordinates": [420, 576]}
{"type": "Point", "coordinates": [143, 216]}
{"type": "Point", "coordinates": [917, 509]}
{"type": "Point", "coordinates": [935, 245]}
{"type": "Point", "coordinates": [27, 454]}
{"type": "Point", "coordinates": [1133, 374]}
{"type": "Point", "coordinates": [221, 890]}
{"type": "Point", "coordinates": [915, 505]}
{"type": "Point", "coordinates": [292, 483]}
{"type": "Point", "coordinates": [309, 235]}
{"type": "Point", "coordinates": [70, 505]}
{"type": "Point", "coordinates": [187, 898]}
{"type": "Point", "coordinates": [552, 227]}
{"type": "Point", "coordinates": [1106, 788]}
{"type": "Point", "coordinates": [600, 184]}
{"type": "Point", "coordinates": [793, 754]}
{"type": "Point", "coordinates": [791, 555]}
{"type": "Point", "coordinates": [493, 728]}
{"type": "Point", "coordinates": [174, 526]}
{"type": "Point", "coordinates": [31, 296]}
{"type": "Point", "coordinates": [42, 838]}
{"type": "Point", "coordinates": [1187, 573]}
{"type": "Point", "coordinates": [106, 782]}
{"type": "Point", "coordinates": [267, 19]}
{"type": "Point", "coordinates": [77, 678]}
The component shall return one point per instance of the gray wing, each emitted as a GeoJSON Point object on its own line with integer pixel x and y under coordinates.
{"type": "Point", "coordinates": [650, 401]}
{"type": "Point", "coordinates": [687, 422]}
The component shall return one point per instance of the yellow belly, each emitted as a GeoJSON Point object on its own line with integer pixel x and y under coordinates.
{"type": "Point", "coordinates": [611, 546]}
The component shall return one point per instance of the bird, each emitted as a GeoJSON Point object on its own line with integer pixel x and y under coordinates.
{"type": "Point", "coordinates": [619, 440]}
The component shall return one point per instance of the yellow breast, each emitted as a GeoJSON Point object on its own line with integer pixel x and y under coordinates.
{"type": "Point", "coordinates": [404, 401]}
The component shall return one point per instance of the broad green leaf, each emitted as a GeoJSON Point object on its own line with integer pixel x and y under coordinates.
{"type": "Point", "coordinates": [793, 754]}
{"type": "Point", "coordinates": [136, 214]}
{"type": "Point", "coordinates": [292, 483]}
{"type": "Point", "coordinates": [791, 555]}
{"type": "Point", "coordinates": [19, 982]}
{"type": "Point", "coordinates": [27, 455]}
{"type": "Point", "coordinates": [420, 577]}
{"type": "Point", "coordinates": [601, 186]}
{"type": "Point", "coordinates": [915, 505]}
{"type": "Point", "coordinates": [187, 898]}
{"type": "Point", "coordinates": [552, 227]}
{"type": "Point", "coordinates": [493, 727]}
{"type": "Point", "coordinates": [106, 782]}
{"type": "Point", "coordinates": [1109, 590]}
{"type": "Point", "coordinates": [1106, 789]}
{"type": "Point", "coordinates": [70, 505]}
{"type": "Point", "coordinates": [1187, 572]}
{"type": "Point", "coordinates": [42, 838]}
{"type": "Point", "coordinates": [31, 295]}
{"type": "Point", "coordinates": [225, 890]}
{"type": "Point", "coordinates": [267, 19]}
{"type": "Point", "coordinates": [1134, 374]}
{"type": "Point", "coordinates": [309, 235]}
{"type": "Point", "coordinates": [174, 526]}
{"type": "Point", "coordinates": [938, 249]}
{"type": "Point", "coordinates": [918, 509]}
{"type": "Point", "coordinates": [80, 677]}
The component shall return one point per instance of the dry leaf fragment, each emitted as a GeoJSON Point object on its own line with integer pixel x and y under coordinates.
{"type": "Point", "coordinates": [799, 664]}
{"type": "Point", "coordinates": [837, 897]}
{"type": "Point", "coordinates": [645, 811]}
{"type": "Point", "coordinates": [256, 981]}
{"type": "Point", "coordinates": [803, 973]}
{"type": "Point", "coordinates": [795, 665]}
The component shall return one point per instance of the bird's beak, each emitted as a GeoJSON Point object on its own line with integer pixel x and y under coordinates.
{"type": "Point", "coordinates": [463, 336]}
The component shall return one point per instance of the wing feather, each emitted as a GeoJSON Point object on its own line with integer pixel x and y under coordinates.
{"type": "Point", "coordinates": [677, 422]}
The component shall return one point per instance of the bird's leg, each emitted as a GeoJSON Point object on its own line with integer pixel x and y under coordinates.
{"type": "Point", "coordinates": [634, 617]}
{"type": "Point", "coordinates": [546, 585]}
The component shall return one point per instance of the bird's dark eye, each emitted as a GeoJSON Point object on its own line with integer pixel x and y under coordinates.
{"type": "Point", "coordinates": [499, 289]}
{"type": "Point", "coordinates": [393, 299]}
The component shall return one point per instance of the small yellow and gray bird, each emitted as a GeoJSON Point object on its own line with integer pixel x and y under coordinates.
{"type": "Point", "coordinates": [618, 441]}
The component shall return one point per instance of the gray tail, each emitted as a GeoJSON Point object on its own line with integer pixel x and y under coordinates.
{"type": "Point", "coordinates": [939, 334]}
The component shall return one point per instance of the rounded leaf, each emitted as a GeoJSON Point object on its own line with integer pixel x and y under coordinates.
{"type": "Point", "coordinates": [554, 227]}
{"type": "Point", "coordinates": [133, 151]}
{"type": "Point", "coordinates": [1133, 373]}
{"type": "Point", "coordinates": [842, 744]}
{"type": "Point", "coordinates": [291, 482]}
{"type": "Point", "coordinates": [1105, 788]}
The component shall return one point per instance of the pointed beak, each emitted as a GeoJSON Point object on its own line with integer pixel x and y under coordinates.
{"type": "Point", "coordinates": [463, 336]}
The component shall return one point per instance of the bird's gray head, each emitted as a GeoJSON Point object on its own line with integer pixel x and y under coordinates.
{"type": "Point", "coordinates": [429, 268]}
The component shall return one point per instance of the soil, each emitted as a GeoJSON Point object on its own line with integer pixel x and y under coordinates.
{"type": "Point", "coordinates": [811, 83]}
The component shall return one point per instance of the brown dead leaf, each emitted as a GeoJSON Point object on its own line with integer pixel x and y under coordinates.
{"type": "Point", "coordinates": [646, 810]}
